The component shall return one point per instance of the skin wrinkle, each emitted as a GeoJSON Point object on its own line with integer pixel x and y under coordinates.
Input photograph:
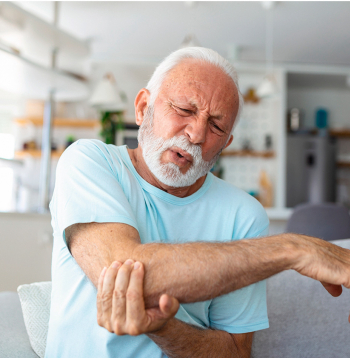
{"type": "Point", "coordinates": [180, 269]}
{"type": "Point", "coordinates": [211, 147]}
{"type": "Point", "coordinates": [201, 347]}
{"type": "Point", "coordinates": [166, 171]}
{"type": "Point", "coordinates": [220, 92]}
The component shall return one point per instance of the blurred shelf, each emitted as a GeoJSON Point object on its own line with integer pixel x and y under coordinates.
{"type": "Point", "coordinates": [22, 76]}
{"type": "Point", "coordinates": [59, 122]}
{"type": "Point", "coordinates": [343, 165]}
{"type": "Point", "coordinates": [248, 153]}
{"type": "Point", "coordinates": [36, 153]}
{"type": "Point", "coordinates": [27, 27]}
{"type": "Point", "coordinates": [341, 133]}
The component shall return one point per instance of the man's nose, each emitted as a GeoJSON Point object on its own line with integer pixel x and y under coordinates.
{"type": "Point", "coordinates": [196, 130]}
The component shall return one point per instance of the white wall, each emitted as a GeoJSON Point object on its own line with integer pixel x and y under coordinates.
{"type": "Point", "coordinates": [25, 249]}
{"type": "Point", "coordinates": [336, 101]}
{"type": "Point", "coordinates": [130, 79]}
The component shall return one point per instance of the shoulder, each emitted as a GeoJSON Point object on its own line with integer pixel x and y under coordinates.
{"type": "Point", "coordinates": [249, 215]}
{"type": "Point", "coordinates": [86, 146]}
{"type": "Point", "coordinates": [88, 151]}
{"type": "Point", "coordinates": [237, 197]}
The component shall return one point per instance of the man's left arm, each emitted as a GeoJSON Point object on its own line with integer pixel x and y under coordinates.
{"type": "Point", "coordinates": [121, 310]}
{"type": "Point", "coordinates": [178, 339]}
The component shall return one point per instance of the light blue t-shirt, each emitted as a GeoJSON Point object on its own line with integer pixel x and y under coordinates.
{"type": "Point", "coordinates": [96, 182]}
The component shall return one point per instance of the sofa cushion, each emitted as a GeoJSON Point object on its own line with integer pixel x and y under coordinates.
{"type": "Point", "coordinates": [14, 341]}
{"type": "Point", "coordinates": [305, 320]}
{"type": "Point", "coordinates": [35, 300]}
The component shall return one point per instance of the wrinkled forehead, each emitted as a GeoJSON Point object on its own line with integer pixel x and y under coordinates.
{"type": "Point", "coordinates": [192, 76]}
{"type": "Point", "coordinates": [190, 71]}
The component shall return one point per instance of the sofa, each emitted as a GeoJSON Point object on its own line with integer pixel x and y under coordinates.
{"type": "Point", "coordinates": [305, 321]}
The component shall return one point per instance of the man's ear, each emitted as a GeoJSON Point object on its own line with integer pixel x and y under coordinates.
{"type": "Point", "coordinates": [141, 105]}
{"type": "Point", "coordinates": [229, 141]}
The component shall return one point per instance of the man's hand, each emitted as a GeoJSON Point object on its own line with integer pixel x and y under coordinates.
{"type": "Point", "coordinates": [120, 303]}
{"type": "Point", "coordinates": [227, 266]}
{"type": "Point", "coordinates": [325, 262]}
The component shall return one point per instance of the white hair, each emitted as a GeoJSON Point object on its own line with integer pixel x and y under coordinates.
{"type": "Point", "coordinates": [198, 53]}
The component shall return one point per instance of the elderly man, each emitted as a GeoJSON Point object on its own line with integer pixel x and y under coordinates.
{"type": "Point", "coordinates": [169, 231]}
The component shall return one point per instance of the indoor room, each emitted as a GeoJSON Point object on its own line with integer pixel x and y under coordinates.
{"type": "Point", "coordinates": [72, 71]}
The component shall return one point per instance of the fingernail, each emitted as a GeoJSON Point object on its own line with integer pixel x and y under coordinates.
{"type": "Point", "coordinates": [103, 271]}
{"type": "Point", "coordinates": [137, 265]}
{"type": "Point", "coordinates": [115, 264]}
{"type": "Point", "coordinates": [129, 262]}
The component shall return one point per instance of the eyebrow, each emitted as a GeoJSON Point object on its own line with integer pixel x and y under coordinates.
{"type": "Point", "coordinates": [194, 105]}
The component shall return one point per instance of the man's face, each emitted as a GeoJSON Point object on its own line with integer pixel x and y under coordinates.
{"type": "Point", "coordinates": [190, 123]}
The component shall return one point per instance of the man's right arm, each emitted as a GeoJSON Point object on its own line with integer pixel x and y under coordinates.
{"type": "Point", "coordinates": [199, 271]}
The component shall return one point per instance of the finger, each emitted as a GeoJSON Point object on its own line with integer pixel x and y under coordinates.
{"type": "Point", "coordinates": [334, 290]}
{"type": "Point", "coordinates": [168, 305]}
{"type": "Point", "coordinates": [99, 299]}
{"type": "Point", "coordinates": [110, 276]}
{"type": "Point", "coordinates": [119, 297]}
{"type": "Point", "coordinates": [135, 304]}
{"type": "Point", "coordinates": [107, 294]}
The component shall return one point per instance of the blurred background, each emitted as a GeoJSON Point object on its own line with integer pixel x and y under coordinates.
{"type": "Point", "coordinates": [71, 70]}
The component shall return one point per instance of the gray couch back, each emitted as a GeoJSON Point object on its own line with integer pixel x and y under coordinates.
{"type": "Point", "coordinates": [305, 320]}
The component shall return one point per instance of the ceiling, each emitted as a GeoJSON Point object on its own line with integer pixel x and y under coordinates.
{"type": "Point", "coordinates": [303, 32]}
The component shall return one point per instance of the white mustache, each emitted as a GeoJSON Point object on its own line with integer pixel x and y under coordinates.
{"type": "Point", "coordinates": [169, 173]}
{"type": "Point", "coordinates": [184, 144]}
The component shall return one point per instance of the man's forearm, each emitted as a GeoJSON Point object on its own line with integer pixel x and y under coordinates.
{"type": "Point", "coordinates": [199, 271]}
{"type": "Point", "coordinates": [191, 272]}
{"type": "Point", "coordinates": [179, 340]}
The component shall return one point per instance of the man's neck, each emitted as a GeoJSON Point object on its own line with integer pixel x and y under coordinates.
{"type": "Point", "coordinates": [143, 170]}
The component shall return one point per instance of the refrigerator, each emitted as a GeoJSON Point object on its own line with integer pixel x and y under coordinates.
{"type": "Point", "coordinates": [311, 169]}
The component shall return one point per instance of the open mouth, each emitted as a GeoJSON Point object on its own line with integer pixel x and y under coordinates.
{"type": "Point", "coordinates": [182, 154]}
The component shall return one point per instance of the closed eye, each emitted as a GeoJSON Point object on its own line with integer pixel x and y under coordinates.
{"type": "Point", "coordinates": [183, 110]}
{"type": "Point", "coordinates": [217, 129]}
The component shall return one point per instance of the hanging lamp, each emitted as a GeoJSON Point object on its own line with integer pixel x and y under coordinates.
{"type": "Point", "coordinates": [268, 86]}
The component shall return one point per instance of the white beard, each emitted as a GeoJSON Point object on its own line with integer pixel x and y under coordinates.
{"type": "Point", "coordinates": [169, 173]}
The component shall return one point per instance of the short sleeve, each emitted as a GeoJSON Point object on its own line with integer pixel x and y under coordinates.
{"type": "Point", "coordinates": [240, 311]}
{"type": "Point", "coordinates": [244, 310]}
{"type": "Point", "coordinates": [87, 188]}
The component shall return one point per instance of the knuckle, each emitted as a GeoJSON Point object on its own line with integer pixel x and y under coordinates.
{"type": "Point", "coordinates": [119, 293]}
{"type": "Point", "coordinates": [132, 295]}
{"type": "Point", "coordinates": [134, 330]}
{"type": "Point", "coordinates": [109, 328]}
{"type": "Point", "coordinates": [118, 329]}
{"type": "Point", "coordinates": [105, 297]}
